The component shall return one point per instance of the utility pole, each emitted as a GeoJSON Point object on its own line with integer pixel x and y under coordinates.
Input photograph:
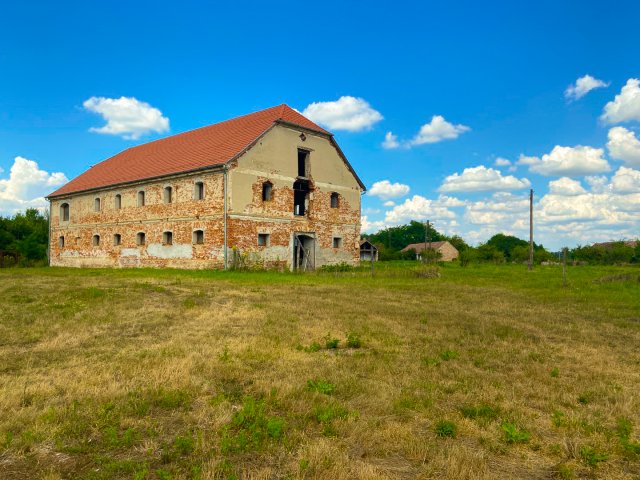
{"type": "Point", "coordinates": [426, 236]}
{"type": "Point", "coordinates": [564, 267]}
{"type": "Point", "coordinates": [531, 229]}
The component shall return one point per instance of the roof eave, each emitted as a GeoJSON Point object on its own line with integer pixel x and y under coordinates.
{"type": "Point", "coordinates": [133, 182]}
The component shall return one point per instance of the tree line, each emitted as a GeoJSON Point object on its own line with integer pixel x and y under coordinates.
{"type": "Point", "coordinates": [500, 248]}
{"type": "Point", "coordinates": [27, 235]}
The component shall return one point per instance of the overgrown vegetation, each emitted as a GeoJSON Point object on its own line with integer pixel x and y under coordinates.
{"type": "Point", "coordinates": [25, 234]}
{"type": "Point", "coordinates": [106, 374]}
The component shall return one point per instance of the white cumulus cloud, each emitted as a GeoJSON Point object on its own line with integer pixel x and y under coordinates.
{"type": "Point", "coordinates": [127, 117]}
{"type": "Point", "coordinates": [502, 162]}
{"type": "Point", "coordinates": [582, 86]}
{"type": "Point", "coordinates": [626, 180]}
{"type": "Point", "coordinates": [347, 113]}
{"type": "Point", "coordinates": [624, 145]}
{"type": "Point", "coordinates": [390, 141]}
{"type": "Point", "coordinates": [27, 186]}
{"type": "Point", "coordinates": [625, 106]}
{"type": "Point", "coordinates": [418, 208]}
{"type": "Point", "coordinates": [566, 186]}
{"type": "Point", "coordinates": [578, 160]}
{"type": "Point", "coordinates": [437, 130]}
{"type": "Point", "coordinates": [482, 179]}
{"type": "Point", "coordinates": [385, 190]}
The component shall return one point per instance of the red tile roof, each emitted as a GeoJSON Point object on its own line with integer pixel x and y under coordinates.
{"type": "Point", "coordinates": [193, 150]}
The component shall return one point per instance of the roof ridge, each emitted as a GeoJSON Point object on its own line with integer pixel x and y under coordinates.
{"type": "Point", "coordinates": [198, 148]}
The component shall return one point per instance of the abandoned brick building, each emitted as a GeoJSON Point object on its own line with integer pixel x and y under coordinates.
{"type": "Point", "coordinates": [270, 188]}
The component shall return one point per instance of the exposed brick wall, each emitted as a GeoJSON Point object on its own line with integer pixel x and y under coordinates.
{"type": "Point", "coordinates": [184, 215]}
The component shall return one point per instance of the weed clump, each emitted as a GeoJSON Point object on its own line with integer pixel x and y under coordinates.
{"type": "Point", "coordinates": [353, 340]}
{"type": "Point", "coordinates": [250, 428]}
{"type": "Point", "coordinates": [624, 428]}
{"type": "Point", "coordinates": [331, 343]}
{"type": "Point", "coordinates": [449, 355]}
{"type": "Point", "coordinates": [445, 428]}
{"type": "Point", "coordinates": [321, 386]}
{"type": "Point", "coordinates": [514, 434]}
{"type": "Point", "coordinates": [592, 457]}
{"type": "Point", "coordinates": [480, 412]}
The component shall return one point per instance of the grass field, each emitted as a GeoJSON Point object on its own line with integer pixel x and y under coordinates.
{"type": "Point", "coordinates": [485, 372]}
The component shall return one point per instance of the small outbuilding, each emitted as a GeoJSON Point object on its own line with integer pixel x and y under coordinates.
{"type": "Point", "coordinates": [447, 251]}
{"type": "Point", "coordinates": [368, 251]}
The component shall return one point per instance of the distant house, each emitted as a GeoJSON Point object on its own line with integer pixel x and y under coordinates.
{"type": "Point", "coordinates": [448, 251]}
{"type": "Point", "coordinates": [368, 251]}
{"type": "Point", "coordinates": [626, 243]}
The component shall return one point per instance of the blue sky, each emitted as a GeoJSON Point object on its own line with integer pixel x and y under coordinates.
{"type": "Point", "coordinates": [457, 85]}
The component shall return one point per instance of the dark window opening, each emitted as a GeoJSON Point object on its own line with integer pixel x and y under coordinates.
{"type": "Point", "coordinates": [140, 239]}
{"type": "Point", "coordinates": [198, 237]}
{"type": "Point", "coordinates": [300, 196]}
{"type": "Point", "coordinates": [337, 242]}
{"type": "Point", "coordinates": [141, 198]}
{"type": "Point", "coordinates": [117, 239]}
{"type": "Point", "coordinates": [61, 242]}
{"type": "Point", "coordinates": [267, 188]}
{"type": "Point", "coordinates": [77, 241]}
{"type": "Point", "coordinates": [335, 200]}
{"type": "Point", "coordinates": [263, 239]}
{"type": "Point", "coordinates": [118, 201]}
{"type": "Point", "coordinates": [168, 194]}
{"type": "Point", "coordinates": [64, 212]}
{"type": "Point", "coordinates": [198, 192]}
{"type": "Point", "coordinates": [96, 204]}
{"type": "Point", "coordinates": [303, 163]}
{"type": "Point", "coordinates": [167, 238]}
{"type": "Point", "coordinates": [95, 240]}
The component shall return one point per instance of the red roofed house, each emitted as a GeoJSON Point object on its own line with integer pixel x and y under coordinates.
{"type": "Point", "coordinates": [269, 188]}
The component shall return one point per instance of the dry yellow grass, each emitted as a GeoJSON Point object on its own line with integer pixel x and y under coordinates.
{"type": "Point", "coordinates": [165, 374]}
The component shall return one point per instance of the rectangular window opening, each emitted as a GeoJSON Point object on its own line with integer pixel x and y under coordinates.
{"type": "Point", "coordinates": [61, 242]}
{"type": "Point", "coordinates": [117, 239]}
{"type": "Point", "coordinates": [263, 239]}
{"type": "Point", "coordinates": [140, 238]}
{"type": "Point", "coordinates": [167, 238]}
{"type": "Point", "coordinates": [300, 196]}
{"type": "Point", "coordinates": [198, 192]}
{"type": "Point", "coordinates": [335, 200]}
{"type": "Point", "coordinates": [337, 242]}
{"type": "Point", "coordinates": [303, 163]}
{"type": "Point", "coordinates": [141, 199]}
{"type": "Point", "coordinates": [198, 237]}
{"type": "Point", "coordinates": [118, 202]}
{"type": "Point", "coordinates": [267, 188]}
{"type": "Point", "coordinates": [168, 194]}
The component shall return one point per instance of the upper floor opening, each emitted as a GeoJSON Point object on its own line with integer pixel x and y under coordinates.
{"type": "Point", "coordinates": [303, 162]}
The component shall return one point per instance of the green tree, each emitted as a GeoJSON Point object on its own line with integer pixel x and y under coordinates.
{"type": "Point", "coordinates": [27, 233]}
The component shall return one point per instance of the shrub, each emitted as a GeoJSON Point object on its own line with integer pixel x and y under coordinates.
{"type": "Point", "coordinates": [555, 372]}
